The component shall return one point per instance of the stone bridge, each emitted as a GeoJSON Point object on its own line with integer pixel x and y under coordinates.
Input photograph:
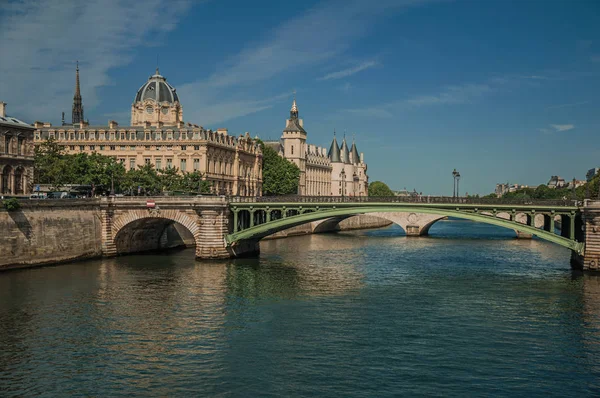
{"type": "Point", "coordinates": [222, 227]}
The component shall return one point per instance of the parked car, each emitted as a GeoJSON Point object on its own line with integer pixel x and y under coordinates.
{"type": "Point", "coordinates": [38, 195]}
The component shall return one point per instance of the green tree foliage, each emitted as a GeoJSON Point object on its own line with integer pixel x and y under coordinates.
{"type": "Point", "coordinates": [52, 166]}
{"type": "Point", "coordinates": [280, 176]}
{"type": "Point", "coordinates": [11, 204]}
{"type": "Point", "coordinates": [378, 188]}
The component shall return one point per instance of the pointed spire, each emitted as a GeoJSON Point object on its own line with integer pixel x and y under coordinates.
{"type": "Point", "coordinates": [334, 151]}
{"type": "Point", "coordinates": [354, 152]}
{"type": "Point", "coordinates": [345, 154]}
{"type": "Point", "coordinates": [77, 115]}
{"type": "Point", "coordinates": [294, 110]}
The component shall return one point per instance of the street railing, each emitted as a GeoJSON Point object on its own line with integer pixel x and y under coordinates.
{"type": "Point", "coordinates": [402, 199]}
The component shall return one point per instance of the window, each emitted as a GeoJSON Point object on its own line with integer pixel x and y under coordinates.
{"type": "Point", "coordinates": [196, 164]}
{"type": "Point", "coordinates": [122, 147]}
{"type": "Point", "coordinates": [158, 164]}
{"type": "Point", "coordinates": [147, 160]}
{"type": "Point", "coordinates": [101, 147]}
{"type": "Point", "coordinates": [158, 147]}
{"type": "Point", "coordinates": [146, 146]}
{"type": "Point", "coordinates": [196, 147]}
{"type": "Point", "coordinates": [72, 147]}
{"type": "Point", "coordinates": [123, 136]}
{"type": "Point", "coordinates": [169, 163]}
{"type": "Point", "coordinates": [81, 147]}
{"type": "Point", "coordinates": [112, 147]}
{"type": "Point", "coordinates": [292, 149]}
{"type": "Point", "coordinates": [183, 164]}
{"type": "Point", "coordinates": [52, 135]}
{"type": "Point", "coordinates": [169, 147]}
{"type": "Point", "coordinates": [122, 160]}
{"type": "Point", "coordinates": [92, 147]}
{"type": "Point", "coordinates": [183, 147]}
{"type": "Point", "coordinates": [131, 163]}
{"type": "Point", "coordinates": [131, 147]}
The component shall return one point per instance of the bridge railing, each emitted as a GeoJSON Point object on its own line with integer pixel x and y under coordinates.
{"type": "Point", "coordinates": [400, 199]}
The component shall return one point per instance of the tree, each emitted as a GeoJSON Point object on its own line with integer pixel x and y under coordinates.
{"type": "Point", "coordinates": [143, 179]}
{"type": "Point", "coordinates": [50, 166]}
{"type": "Point", "coordinates": [194, 182]}
{"type": "Point", "coordinates": [280, 176]}
{"type": "Point", "coordinates": [378, 188]}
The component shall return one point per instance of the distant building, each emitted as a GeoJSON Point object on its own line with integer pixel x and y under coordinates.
{"type": "Point", "coordinates": [556, 182]}
{"type": "Point", "coordinates": [578, 183]}
{"type": "Point", "coordinates": [341, 171]}
{"type": "Point", "coordinates": [501, 189]}
{"type": "Point", "coordinates": [16, 155]}
{"type": "Point", "coordinates": [504, 188]}
{"type": "Point", "coordinates": [592, 173]}
{"type": "Point", "coordinates": [158, 136]}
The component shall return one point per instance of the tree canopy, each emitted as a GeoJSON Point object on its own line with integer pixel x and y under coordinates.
{"type": "Point", "coordinates": [378, 188]}
{"type": "Point", "coordinates": [52, 166]}
{"type": "Point", "coordinates": [280, 176]}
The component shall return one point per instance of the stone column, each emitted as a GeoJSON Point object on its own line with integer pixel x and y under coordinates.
{"type": "Point", "coordinates": [590, 259]}
{"type": "Point", "coordinates": [214, 226]}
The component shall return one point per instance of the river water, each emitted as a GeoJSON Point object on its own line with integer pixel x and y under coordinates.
{"type": "Point", "coordinates": [468, 311]}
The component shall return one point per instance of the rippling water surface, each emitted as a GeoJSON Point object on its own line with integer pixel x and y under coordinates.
{"type": "Point", "coordinates": [469, 311]}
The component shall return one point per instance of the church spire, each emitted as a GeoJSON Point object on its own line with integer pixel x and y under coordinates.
{"type": "Point", "coordinates": [77, 115]}
{"type": "Point", "coordinates": [294, 110]}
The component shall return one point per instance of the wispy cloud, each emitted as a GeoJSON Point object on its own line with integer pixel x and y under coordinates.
{"type": "Point", "coordinates": [568, 105]}
{"type": "Point", "coordinates": [45, 37]}
{"type": "Point", "coordinates": [562, 127]}
{"type": "Point", "coordinates": [449, 95]}
{"type": "Point", "coordinates": [322, 33]}
{"type": "Point", "coordinates": [349, 72]}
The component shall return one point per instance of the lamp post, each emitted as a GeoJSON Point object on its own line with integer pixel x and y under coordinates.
{"type": "Point", "coordinates": [454, 173]}
{"type": "Point", "coordinates": [457, 181]}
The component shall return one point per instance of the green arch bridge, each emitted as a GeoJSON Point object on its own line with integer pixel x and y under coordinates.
{"type": "Point", "coordinates": [255, 218]}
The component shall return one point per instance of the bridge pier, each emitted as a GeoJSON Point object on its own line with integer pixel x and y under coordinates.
{"type": "Point", "coordinates": [589, 260]}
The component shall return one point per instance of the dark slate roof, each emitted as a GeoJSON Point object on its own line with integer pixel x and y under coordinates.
{"type": "Point", "coordinates": [294, 126]}
{"type": "Point", "coordinates": [334, 151]}
{"type": "Point", "coordinates": [355, 155]}
{"type": "Point", "coordinates": [345, 154]}
{"type": "Point", "coordinates": [157, 89]}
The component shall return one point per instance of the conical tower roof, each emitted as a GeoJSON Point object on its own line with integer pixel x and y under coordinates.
{"type": "Point", "coordinates": [345, 154]}
{"type": "Point", "coordinates": [354, 152]}
{"type": "Point", "coordinates": [334, 151]}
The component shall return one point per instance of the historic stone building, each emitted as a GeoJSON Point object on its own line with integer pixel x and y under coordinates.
{"type": "Point", "coordinates": [16, 155]}
{"type": "Point", "coordinates": [337, 172]}
{"type": "Point", "coordinates": [158, 136]}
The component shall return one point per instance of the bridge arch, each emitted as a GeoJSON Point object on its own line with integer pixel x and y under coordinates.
{"type": "Point", "coordinates": [257, 232]}
{"type": "Point", "coordinates": [144, 230]}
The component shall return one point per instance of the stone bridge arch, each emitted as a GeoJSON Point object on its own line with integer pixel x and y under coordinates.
{"type": "Point", "coordinates": [137, 230]}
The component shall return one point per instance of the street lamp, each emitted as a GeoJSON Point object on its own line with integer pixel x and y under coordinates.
{"type": "Point", "coordinates": [454, 173]}
{"type": "Point", "coordinates": [457, 181]}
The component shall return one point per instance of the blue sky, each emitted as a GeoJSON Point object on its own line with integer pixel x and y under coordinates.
{"type": "Point", "coordinates": [504, 91]}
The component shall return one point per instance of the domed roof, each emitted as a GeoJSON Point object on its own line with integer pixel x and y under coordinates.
{"type": "Point", "coordinates": [157, 89]}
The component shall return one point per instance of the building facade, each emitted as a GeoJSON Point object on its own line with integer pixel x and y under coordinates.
{"type": "Point", "coordinates": [339, 171]}
{"type": "Point", "coordinates": [157, 135]}
{"type": "Point", "coordinates": [16, 155]}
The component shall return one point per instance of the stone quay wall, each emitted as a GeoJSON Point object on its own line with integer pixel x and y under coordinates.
{"type": "Point", "coordinates": [50, 231]}
{"type": "Point", "coordinates": [362, 221]}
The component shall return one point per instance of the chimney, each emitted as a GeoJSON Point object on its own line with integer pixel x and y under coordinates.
{"type": "Point", "coordinates": [38, 124]}
{"type": "Point", "coordinates": [112, 124]}
{"type": "Point", "coordinates": [180, 124]}
{"type": "Point", "coordinates": [2, 109]}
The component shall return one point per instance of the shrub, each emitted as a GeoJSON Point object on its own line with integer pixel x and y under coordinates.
{"type": "Point", "coordinates": [11, 204]}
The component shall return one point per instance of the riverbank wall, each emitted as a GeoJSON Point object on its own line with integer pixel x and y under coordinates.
{"type": "Point", "coordinates": [45, 232]}
{"type": "Point", "coordinates": [362, 221]}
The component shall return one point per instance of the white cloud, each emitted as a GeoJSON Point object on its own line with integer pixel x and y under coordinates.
{"type": "Point", "coordinates": [568, 105]}
{"type": "Point", "coordinates": [449, 95]}
{"type": "Point", "coordinates": [320, 34]}
{"type": "Point", "coordinates": [42, 39]}
{"type": "Point", "coordinates": [349, 72]}
{"type": "Point", "coordinates": [562, 127]}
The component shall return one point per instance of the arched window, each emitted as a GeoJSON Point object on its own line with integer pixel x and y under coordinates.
{"type": "Point", "coordinates": [292, 149]}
